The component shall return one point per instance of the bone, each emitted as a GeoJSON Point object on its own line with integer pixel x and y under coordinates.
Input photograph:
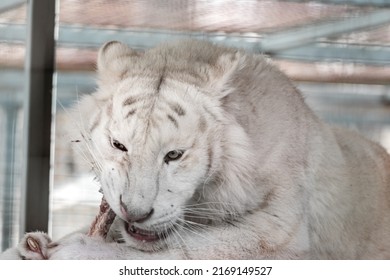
{"type": "Point", "coordinates": [102, 223]}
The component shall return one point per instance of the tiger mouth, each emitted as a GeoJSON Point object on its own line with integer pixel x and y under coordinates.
{"type": "Point", "coordinates": [146, 235]}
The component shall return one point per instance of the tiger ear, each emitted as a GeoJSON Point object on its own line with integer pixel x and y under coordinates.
{"type": "Point", "coordinates": [114, 59]}
{"type": "Point", "coordinates": [224, 71]}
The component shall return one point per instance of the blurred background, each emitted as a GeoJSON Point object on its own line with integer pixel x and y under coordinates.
{"type": "Point", "coordinates": [337, 53]}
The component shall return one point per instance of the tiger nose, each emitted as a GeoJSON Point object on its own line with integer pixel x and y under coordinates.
{"type": "Point", "coordinates": [131, 217]}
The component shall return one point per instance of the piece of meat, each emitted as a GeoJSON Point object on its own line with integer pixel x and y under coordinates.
{"type": "Point", "coordinates": [102, 223]}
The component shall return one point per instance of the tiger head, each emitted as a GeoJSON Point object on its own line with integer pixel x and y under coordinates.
{"type": "Point", "coordinates": [168, 153]}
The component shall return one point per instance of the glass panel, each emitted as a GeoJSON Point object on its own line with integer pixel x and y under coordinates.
{"type": "Point", "coordinates": [12, 50]}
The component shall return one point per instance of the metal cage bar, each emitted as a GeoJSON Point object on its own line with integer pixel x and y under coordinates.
{"type": "Point", "coordinates": [38, 114]}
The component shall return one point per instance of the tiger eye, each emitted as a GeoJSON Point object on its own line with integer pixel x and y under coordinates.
{"type": "Point", "coordinates": [173, 155]}
{"type": "Point", "coordinates": [119, 146]}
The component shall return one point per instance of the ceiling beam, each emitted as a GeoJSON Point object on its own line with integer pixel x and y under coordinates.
{"type": "Point", "coordinates": [13, 33]}
{"type": "Point", "coordinates": [308, 34]}
{"type": "Point", "coordinates": [369, 55]}
{"type": "Point", "coordinates": [7, 5]}
{"type": "Point", "coordinates": [371, 3]}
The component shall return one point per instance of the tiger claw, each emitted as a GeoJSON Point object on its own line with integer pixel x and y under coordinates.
{"type": "Point", "coordinates": [34, 246]}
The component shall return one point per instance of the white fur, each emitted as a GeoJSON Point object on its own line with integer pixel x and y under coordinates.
{"type": "Point", "coordinates": [261, 176]}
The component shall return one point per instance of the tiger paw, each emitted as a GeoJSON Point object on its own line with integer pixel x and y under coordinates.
{"type": "Point", "coordinates": [34, 246]}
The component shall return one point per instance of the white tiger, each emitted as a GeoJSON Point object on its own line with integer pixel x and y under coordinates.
{"type": "Point", "coordinates": [206, 152]}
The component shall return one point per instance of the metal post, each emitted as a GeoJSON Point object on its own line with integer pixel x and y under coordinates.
{"type": "Point", "coordinates": [38, 114]}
